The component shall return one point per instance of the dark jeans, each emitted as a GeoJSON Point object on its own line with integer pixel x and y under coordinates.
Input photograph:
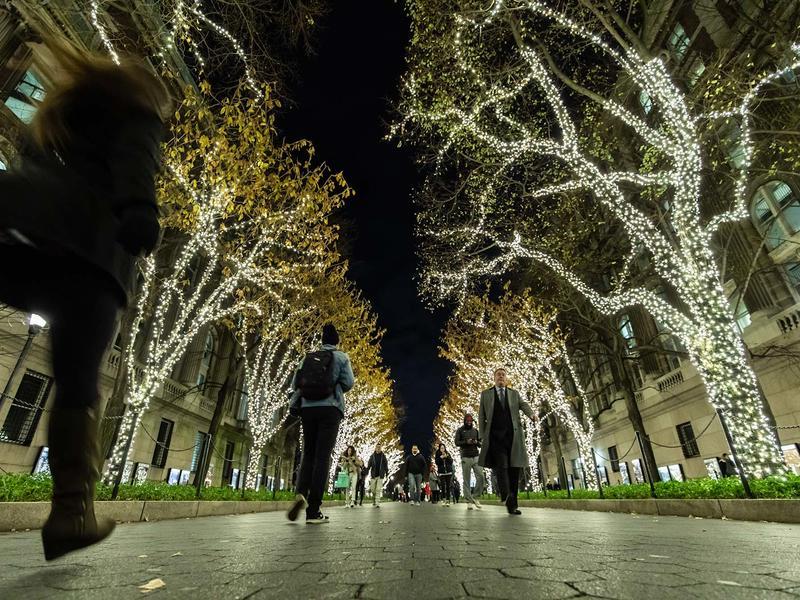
{"type": "Point", "coordinates": [80, 304]}
{"type": "Point", "coordinates": [320, 428]}
{"type": "Point", "coordinates": [446, 481]}
{"type": "Point", "coordinates": [360, 489]}
{"type": "Point", "coordinates": [508, 484]}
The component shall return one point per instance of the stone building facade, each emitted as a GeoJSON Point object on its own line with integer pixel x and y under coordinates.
{"type": "Point", "coordinates": [762, 258]}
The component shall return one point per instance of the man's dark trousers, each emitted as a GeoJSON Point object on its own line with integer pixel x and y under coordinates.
{"type": "Point", "coordinates": [501, 436]}
{"type": "Point", "coordinates": [508, 484]}
{"type": "Point", "coordinates": [320, 428]}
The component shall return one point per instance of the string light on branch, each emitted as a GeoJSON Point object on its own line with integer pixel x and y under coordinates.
{"type": "Point", "coordinates": [482, 109]}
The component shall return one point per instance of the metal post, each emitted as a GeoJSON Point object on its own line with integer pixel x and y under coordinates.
{"type": "Point", "coordinates": [647, 472]}
{"type": "Point", "coordinates": [597, 472]}
{"type": "Point", "coordinates": [542, 479]}
{"type": "Point", "coordinates": [566, 477]}
{"type": "Point", "coordinates": [745, 483]}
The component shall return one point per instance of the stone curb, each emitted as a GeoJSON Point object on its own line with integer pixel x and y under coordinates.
{"type": "Point", "coordinates": [777, 510]}
{"type": "Point", "coordinates": [18, 516]}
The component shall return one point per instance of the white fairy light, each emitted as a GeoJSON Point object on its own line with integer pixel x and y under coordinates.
{"type": "Point", "coordinates": [530, 351]}
{"type": "Point", "coordinates": [683, 257]}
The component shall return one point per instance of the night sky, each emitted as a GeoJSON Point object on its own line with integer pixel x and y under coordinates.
{"type": "Point", "coordinates": [343, 103]}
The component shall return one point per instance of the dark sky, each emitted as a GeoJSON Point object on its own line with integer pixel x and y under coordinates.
{"type": "Point", "coordinates": [343, 102]}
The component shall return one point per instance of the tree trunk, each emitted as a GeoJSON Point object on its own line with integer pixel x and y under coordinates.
{"type": "Point", "coordinates": [210, 440]}
{"type": "Point", "coordinates": [554, 438]}
{"type": "Point", "coordinates": [623, 381]}
{"type": "Point", "coordinates": [115, 407]}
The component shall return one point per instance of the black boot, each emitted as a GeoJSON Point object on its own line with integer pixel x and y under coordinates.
{"type": "Point", "coordinates": [75, 467]}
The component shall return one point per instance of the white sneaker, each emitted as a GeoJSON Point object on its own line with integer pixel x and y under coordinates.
{"type": "Point", "coordinates": [477, 504]}
{"type": "Point", "coordinates": [469, 506]}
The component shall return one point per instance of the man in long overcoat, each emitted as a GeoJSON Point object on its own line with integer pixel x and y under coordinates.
{"type": "Point", "coordinates": [503, 448]}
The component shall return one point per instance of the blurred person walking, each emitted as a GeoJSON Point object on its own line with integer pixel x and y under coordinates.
{"type": "Point", "coordinates": [74, 218]}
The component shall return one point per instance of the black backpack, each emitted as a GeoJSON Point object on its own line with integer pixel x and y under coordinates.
{"type": "Point", "coordinates": [315, 377]}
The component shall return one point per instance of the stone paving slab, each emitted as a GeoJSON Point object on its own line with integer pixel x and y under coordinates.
{"type": "Point", "coordinates": [425, 552]}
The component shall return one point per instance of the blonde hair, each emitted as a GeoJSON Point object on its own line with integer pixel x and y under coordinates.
{"type": "Point", "coordinates": [130, 84]}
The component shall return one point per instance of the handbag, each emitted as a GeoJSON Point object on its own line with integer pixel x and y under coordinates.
{"type": "Point", "coordinates": [342, 480]}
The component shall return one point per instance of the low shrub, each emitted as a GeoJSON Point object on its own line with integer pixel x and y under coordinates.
{"type": "Point", "coordinates": [731, 487]}
{"type": "Point", "coordinates": [21, 487]}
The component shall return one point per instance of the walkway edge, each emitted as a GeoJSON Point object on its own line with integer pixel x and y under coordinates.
{"type": "Point", "coordinates": [776, 510]}
{"type": "Point", "coordinates": [19, 516]}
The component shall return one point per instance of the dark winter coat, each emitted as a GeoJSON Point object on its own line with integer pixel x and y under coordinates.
{"type": "Point", "coordinates": [463, 436]}
{"type": "Point", "coordinates": [378, 466]}
{"type": "Point", "coordinates": [444, 464]}
{"type": "Point", "coordinates": [416, 464]}
{"type": "Point", "coordinates": [79, 203]}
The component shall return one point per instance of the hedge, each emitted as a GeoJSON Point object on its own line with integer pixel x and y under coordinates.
{"type": "Point", "coordinates": [20, 487]}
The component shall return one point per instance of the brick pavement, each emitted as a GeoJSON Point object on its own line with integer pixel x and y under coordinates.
{"type": "Point", "coordinates": [426, 552]}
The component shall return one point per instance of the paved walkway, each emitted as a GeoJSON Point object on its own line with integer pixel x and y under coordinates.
{"type": "Point", "coordinates": [426, 552]}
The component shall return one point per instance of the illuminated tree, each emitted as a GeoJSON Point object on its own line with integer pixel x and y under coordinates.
{"type": "Point", "coordinates": [249, 214]}
{"type": "Point", "coordinates": [491, 99]}
{"type": "Point", "coordinates": [519, 335]}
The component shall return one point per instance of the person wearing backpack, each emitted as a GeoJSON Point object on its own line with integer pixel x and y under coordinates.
{"type": "Point", "coordinates": [319, 386]}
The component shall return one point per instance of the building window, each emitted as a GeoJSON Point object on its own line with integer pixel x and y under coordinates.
{"type": "Point", "coordinates": [626, 329]}
{"type": "Point", "coordinates": [227, 466]}
{"type": "Point", "coordinates": [793, 273]}
{"type": "Point", "coordinates": [614, 458]}
{"type": "Point", "coordinates": [687, 440]}
{"type": "Point", "coordinates": [205, 361]}
{"type": "Point", "coordinates": [26, 409]}
{"type": "Point", "coordinates": [696, 72]}
{"type": "Point", "coordinates": [646, 102]}
{"type": "Point", "coordinates": [24, 97]}
{"type": "Point", "coordinates": [678, 42]}
{"type": "Point", "coordinates": [740, 311]}
{"type": "Point", "coordinates": [776, 212]}
{"type": "Point", "coordinates": [199, 447]}
{"type": "Point", "coordinates": [162, 443]}
{"type": "Point", "coordinates": [791, 453]}
{"type": "Point", "coordinates": [241, 411]}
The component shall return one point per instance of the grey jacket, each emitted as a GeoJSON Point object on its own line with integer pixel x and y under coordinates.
{"type": "Point", "coordinates": [519, 453]}
{"type": "Point", "coordinates": [342, 375]}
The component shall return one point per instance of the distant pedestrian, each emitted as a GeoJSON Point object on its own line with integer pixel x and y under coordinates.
{"type": "Point", "coordinates": [726, 466]}
{"type": "Point", "coordinates": [352, 465]}
{"type": "Point", "coordinates": [77, 212]}
{"type": "Point", "coordinates": [503, 447]}
{"type": "Point", "coordinates": [433, 481]}
{"type": "Point", "coordinates": [361, 486]}
{"type": "Point", "coordinates": [319, 386]}
{"type": "Point", "coordinates": [456, 490]}
{"type": "Point", "coordinates": [468, 440]}
{"type": "Point", "coordinates": [444, 466]}
{"type": "Point", "coordinates": [416, 465]}
{"type": "Point", "coordinates": [378, 468]}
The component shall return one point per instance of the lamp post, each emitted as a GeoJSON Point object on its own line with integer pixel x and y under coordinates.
{"type": "Point", "coordinates": [35, 324]}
